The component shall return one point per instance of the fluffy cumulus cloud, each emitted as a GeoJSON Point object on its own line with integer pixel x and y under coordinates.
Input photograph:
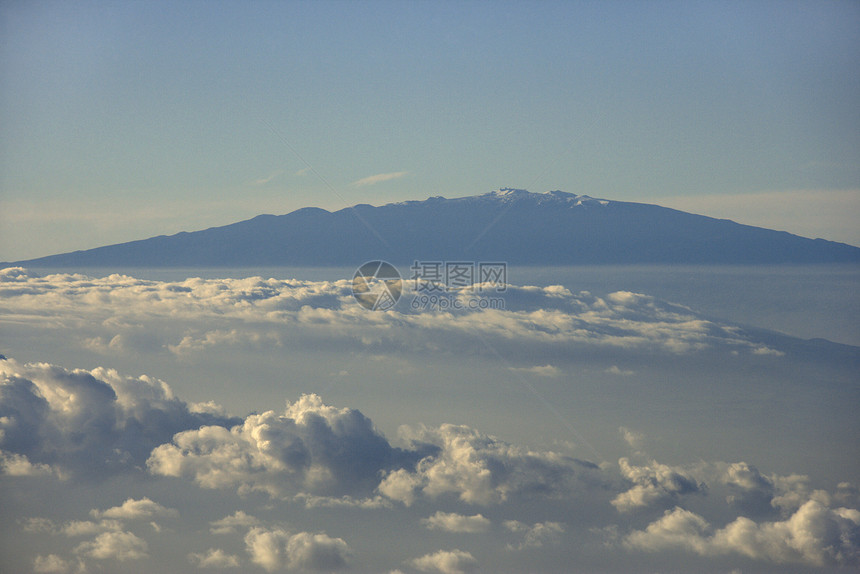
{"type": "Point", "coordinates": [536, 535]}
{"type": "Point", "coordinates": [276, 549]}
{"type": "Point", "coordinates": [653, 483]}
{"type": "Point", "coordinates": [117, 545]}
{"type": "Point", "coordinates": [110, 538]}
{"type": "Point", "coordinates": [214, 558]}
{"type": "Point", "coordinates": [446, 562]}
{"type": "Point", "coordinates": [133, 509]}
{"type": "Point", "coordinates": [815, 535]}
{"type": "Point", "coordinates": [321, 459]}
{"type": "Point", "coordinates": [234, 522]}
{"type": "Point", "coordinates": [480, 469]}
{"type": "Point", "coordinates": [119, 313]}
{"type": "Point", "coordinates": [311, 447]}
{"type": "Point", "coordinates": [86, 422]}
{"type": "Point", "coordinates": [453, 522]}
{"type": "Point", "coordinates": [54, 564]}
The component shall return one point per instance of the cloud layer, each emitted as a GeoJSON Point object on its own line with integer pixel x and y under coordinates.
{"type": "Point", "coordinates": [94, 424]}
{"type": "Point", "coordinates": [118, 313]}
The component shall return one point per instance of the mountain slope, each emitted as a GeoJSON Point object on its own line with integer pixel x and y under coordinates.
{"type": "Point", "coordinates": [515, 226]}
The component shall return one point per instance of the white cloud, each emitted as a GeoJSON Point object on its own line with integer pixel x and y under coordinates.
{"type": "Point", "coordinates": [116, 545]}
{"type": "Point", "coordinates": [230, 524]}
{"type": "Point", "coordinates": [85, 422]}
{"type": "Point", "coordinates": [89, 528]}
{"type": "Point", "coordinates": [268, 178]}
{"type": "Point", "coordinates": [632, 438]}
{"type": "Point", "coordinates": [379, 178]}
{"type": "Point", "coordinates": [345, 501]}
{"type": "Point", "coordinates": [121, 314]}
{"type": "Point", "coordinates": [539, 370]}
{"type": "Point", "coordinates": [267, 547]}
{"type": "Point", "coordinates": [615, 370]}
{"type": "Point", "coordinates": [13, 464]}
{"type": "Point", "coordinates": [214, 558]}
{"type": "Point", "coordinates": [814, 534]}
{"type": "Point", "coordinates": [133, 509]}
{"type": "Point", "coordinates": [312, 448]}
{"type": "Point", "coordinates": [318, 551]}
{"type": "Point", "coordinates": [446, 562]}
{"type": "Point", "coordinates": [274, 549]}
{"type": "Point", "coordinates": [453, 522]}
{"type": "Point", "coordinates": [322, 456]}
{"type": "Point", "coordinates": [654, 483]}
{"type": "Point", "coordinates": [534, 536]}
{"type": "Point", "coordinates": [480, 469]}
{"type": "Point", "coordinates": [51, 564]}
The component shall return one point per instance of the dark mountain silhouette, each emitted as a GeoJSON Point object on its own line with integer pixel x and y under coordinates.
{"type": "Point", "coordinates": [514, 226]}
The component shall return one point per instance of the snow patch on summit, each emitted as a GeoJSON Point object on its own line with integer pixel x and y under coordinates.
{"type": "Point", "coordinates": [556, 196]}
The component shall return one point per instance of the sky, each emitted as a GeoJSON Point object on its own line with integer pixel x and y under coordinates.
{"type": "Point", "coordinates": [125, 120]}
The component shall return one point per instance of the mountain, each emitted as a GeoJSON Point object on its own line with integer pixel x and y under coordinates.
{"type": "Point", "coordinates": [510, 225]}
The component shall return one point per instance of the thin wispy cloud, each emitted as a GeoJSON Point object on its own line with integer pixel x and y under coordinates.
{"type": "Point", "coordinates": [379, 178]}
{"type": "Point", "coordinates": [268, 178]}
{"type": "Point", "coordinates": [539, 370]}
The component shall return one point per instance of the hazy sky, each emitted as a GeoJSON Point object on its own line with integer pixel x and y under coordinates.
{"type": "Point", "coordinates": [123, 120]}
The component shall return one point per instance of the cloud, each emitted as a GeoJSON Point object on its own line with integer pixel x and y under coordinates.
{"type": "Point", "coordinates": [116, 545]}
{"type": "Point", "coordinates": [324, 456]}
{"type": "Point", "coordinates": [615, 370]}
{"type": "Point", "coordinates": [814, 535]}
{"type": "Point", "coordinates": [214, 558]}
{"type": "Point", "coordinates": [534, 536]}
{"type": "Point", "coordinates": [453, 522]}
{"type": "Point", "coordinates": [230, 524]}
{"type": "Point", "coordinates": [136, 509]}
{"type": "Point", "coordinates": [53, 564]}
{"type": "Point", "coordinates": [446, 562]}
{"type": "Point", "coordinates": [13, 464]}
{"type": "Point", "coordinates": [122, 314]}
{"type": "Point", "coordinates": [632, 438]}
{"type": "Point", "coordinates": [267, 547]}
{"type": "Point", "coordinates": [541, 371]}
{"type": "Point", "coordinates": [317, 552]}
{"type": "Point", "coordinates": [89, 528]}
{"type": "Point", "coordinates": [322, 460]}
{"type": "Point", "coordinates": [654, 483]}
{"type": "Point", "coordinates": [312, 448]}
{"type": "Point", "coordinates": [480, 469]}
{"type": "Point", "coordinates": [274, 549]}
{"type": "Point", "coordinates": [268, 179]}
{"type": "Point", "coordinates": [86, 422]}
{"type": "Point", "coordinates": [379, 178]}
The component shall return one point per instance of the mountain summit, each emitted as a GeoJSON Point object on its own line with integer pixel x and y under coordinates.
{"type": "Point", "coordinates": [510, 225]}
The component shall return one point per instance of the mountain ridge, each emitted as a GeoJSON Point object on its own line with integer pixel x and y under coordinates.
{"type": "Point", "coordinates": [511, 225]}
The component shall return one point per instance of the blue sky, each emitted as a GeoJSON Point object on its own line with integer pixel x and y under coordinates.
{"type": "Point", "coordinates": [123, 120]}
